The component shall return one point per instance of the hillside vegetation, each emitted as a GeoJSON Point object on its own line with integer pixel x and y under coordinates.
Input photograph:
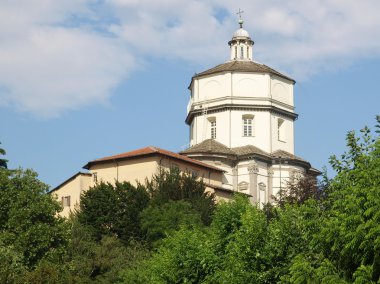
{"type": "Point", "coordinates": [170, 230]}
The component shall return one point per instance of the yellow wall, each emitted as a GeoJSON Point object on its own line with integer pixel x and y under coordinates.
{"type": "Point", "coordinates": [73, 189]}
{"type": "Point", "coordinates": [128, 170]}
{"type": "Point", "coordinates": [133, 171]}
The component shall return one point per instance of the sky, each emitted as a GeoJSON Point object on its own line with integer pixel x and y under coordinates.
{"type": "Point", "coordinates": [84, 79]}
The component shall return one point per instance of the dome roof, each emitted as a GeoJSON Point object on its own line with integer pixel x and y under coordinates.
{"type": "Point", "coordinates": [242, 66]}
{"type": "Point", "coordinates": [241, 33]}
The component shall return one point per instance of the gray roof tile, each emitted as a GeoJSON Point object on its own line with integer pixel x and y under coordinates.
{"type": "Point", "coordinates": [209, 146]}
{"type": "Point", "coordinates": [249, 150]}
{"type": "Point", "coordinates": [242, 66]}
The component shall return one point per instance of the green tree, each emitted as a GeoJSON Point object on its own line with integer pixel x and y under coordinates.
{"type": "Point", "coordinates": [28, 216]}
{"type": "Point", "coordinates": [158, 221]}
{"type": "Point", "coordinates": [299, 190]}
{"type": "Point", "coordinates": [183, 257]}
{"type": "Point", "coordinates": [12, 268]}
{"type": "Point", "coordinates": [87, 260]}
{"type": "Point", "coordinates": [244, 237]}
{"type": "Point", "coordinates": [113, 210]}
{"type": "Point", "coordinates": [174, 185]}
{"type": "Point", "coordinates": [347, 246]}
{"type": "Point", "coordinates": [3, 162]}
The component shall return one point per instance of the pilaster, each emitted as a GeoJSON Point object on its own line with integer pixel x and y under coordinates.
{"type": "Point", "coordinates": [253, 170]}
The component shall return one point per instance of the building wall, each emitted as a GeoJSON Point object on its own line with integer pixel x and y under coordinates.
{"type": "Point", "coordinates": [242, 89]}
{"type": "Point", "coordinates": [137, 170]}
{"type": "Point", "coordinates": [269, 178]}
{"type": "Point", "coordinates": [72, 189]}
{"type": "Point", "coordinates": [133, 171]}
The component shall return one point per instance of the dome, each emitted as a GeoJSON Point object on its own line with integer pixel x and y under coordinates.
{"type": "Point", "coordinates": [241, 33]}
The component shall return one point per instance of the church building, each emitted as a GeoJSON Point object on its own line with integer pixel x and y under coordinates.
{"type": "Point", "coordinates": [241, 119]}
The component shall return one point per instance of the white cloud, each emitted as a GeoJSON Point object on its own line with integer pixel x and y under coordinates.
{"type": "Point", "coordinates": [58, 55]}
{"type": "Point", "coordinates": [47, 68]}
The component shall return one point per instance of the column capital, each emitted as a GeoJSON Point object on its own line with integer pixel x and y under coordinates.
{"type": "Point", "coordinates": [253, 168]}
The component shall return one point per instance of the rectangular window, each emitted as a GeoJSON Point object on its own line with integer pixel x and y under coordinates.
{"type": "Point", "coordinates": [247, 51]}
{"type": "Point", "coordinates": [235, 52]}
{"type": "Point", "coordinates": [242, 52]}
{"type": "Point", "coordinates": [194, 173]}
{"type": "Point", "coordinates": [213, 129]}
{"type": "Point", "coordinates": [95, 177]}
{"type": "Point", "coordinates": [65, 201]}
{"type": "Point", "coordinates": [247, 127]}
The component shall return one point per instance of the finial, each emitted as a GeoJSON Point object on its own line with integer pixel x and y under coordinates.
{"type": "Point", "coordinates": [240, 19]}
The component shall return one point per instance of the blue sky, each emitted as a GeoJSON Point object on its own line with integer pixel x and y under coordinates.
{"type": "Point", "coordinates": [85, 79]}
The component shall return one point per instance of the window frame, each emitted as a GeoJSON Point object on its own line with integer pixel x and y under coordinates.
{"type": "Point", "coordinates": [248, 125]}
{"type": "Point", "coordinates": [281, 129]}
{"type": "Point", "coordinates": [66, 201]}
{"type": "Point", "coordinates": [213, 125]}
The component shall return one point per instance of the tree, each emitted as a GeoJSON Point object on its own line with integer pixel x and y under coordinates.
{"type": "Point", "coordinates": [12, 268]}
{"type": "Point", "coordinates": [113, 210]}
{"type": "Point", "coordinates": [3, 162]}
{"type": "Point", "coordinates": [174, 185]}
{"type": "Point", "coordinates": [87, 260]}
{"type": "Point", "coordinates": [28, 216]}
{"type": "Point", "coordinates": [299, 190]}
{"type": "Point", "coordinates": [158, 221]}
{"type": "Point", "coordinates": [347, 246]}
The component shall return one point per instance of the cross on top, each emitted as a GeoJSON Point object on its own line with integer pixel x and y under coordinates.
{"type": "Point", "coordinates": [239, 13]}
{"type": "Point", "coordinates": [240, 20]}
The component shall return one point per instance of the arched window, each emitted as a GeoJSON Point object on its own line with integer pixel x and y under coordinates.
{"type": "Point", "coordinates": [280, 129]}
{"type": "Point", "coordinates": [248, 120]}
{"type": "Point", "coordinates": [247, 51]}
{"type": "Point", "coordinates": [241, 52]}
{"type": "Point", "coordinates": [235, 51]}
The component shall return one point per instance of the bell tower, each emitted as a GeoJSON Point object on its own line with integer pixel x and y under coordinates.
{"type": "Point", "coordinates": [241, 44]}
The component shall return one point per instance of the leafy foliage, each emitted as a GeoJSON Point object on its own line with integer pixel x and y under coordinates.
{"type": "Point", "coordinates": [3, 162]}
{"type": "Point", "coordinates": [113, 210]}
{"type": "Point", "coordinates": [307, 239]}
{"type": "Point", "coordinates": [28, 220]}
{"type": "Point", "coordinates": [349, 240]}
{"type": "Point", "coordinates": [158, 221]}
{"type": "Point", "coordinates": [174, 185]}
{"type": "Point", "coordinates": [299, 190]}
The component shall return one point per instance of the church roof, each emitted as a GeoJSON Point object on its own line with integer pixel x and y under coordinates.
{"type": "Point", "coordinates": [286, 155]}
{"type": "Point", "coordinates": [242, 66]}
{"type": "Point", "coordinates": [249, 150]}
{"type": "Point", "coordinates": [209, 146]}
{"type": "Point", "coordinates": [148, 151]}
{"type": "Point", "coordinates": [241, 33]}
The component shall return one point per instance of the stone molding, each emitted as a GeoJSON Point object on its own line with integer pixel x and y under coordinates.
{"type": "Point", "coordinates": [226, 107]}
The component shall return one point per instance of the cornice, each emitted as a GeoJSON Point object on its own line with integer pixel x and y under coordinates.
{"type": "Point", "coordinates": [225, 107]}
{"type": "Point", "coordinates": [232, 99]}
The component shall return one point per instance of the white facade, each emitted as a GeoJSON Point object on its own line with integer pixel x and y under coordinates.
{"type": "Point", "coordinates": [247, 94]}
{"type": "Point", "coordinates": [248, 108]}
